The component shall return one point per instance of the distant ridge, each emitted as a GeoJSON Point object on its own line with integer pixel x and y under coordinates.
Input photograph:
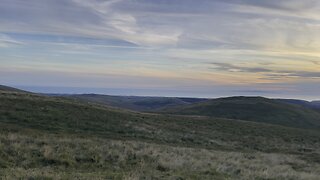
{"type": "Point", "coordinates": [257, 109]}
{"type": "Point", "coordinates": [285, 112]}
{"type": "Point", "coordinates": [136, 103]}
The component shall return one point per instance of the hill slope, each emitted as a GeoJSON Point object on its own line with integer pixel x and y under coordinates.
{"type": "Point", "coordinates": [136, 103]}
{"type": "Point", "coordinates": [10, 89]}
{"type": "Point", "coordinates": [313, 104]}
{"type": "Point", "coordinates": [61, 115]}
{"type": "Point", "coordinates": [287, 112]}
{"type": "Point", "coordinates": [57, 138]}
{"type": "Point", "coordinates": [255, 109]}
{"type": "Point", "coordinates": [316, 105]}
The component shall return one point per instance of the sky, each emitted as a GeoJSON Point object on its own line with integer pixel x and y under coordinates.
{"type": "Point", "coordinates": [193, 48]}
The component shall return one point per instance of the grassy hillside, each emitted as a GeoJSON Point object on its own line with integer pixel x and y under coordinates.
{"type": "Point", "coordinates": [255, 109]}
{"type": "Point", "coordinates": [316, 105]}
{"type": "Point", "coordinates": [48, 137]}
{"type": "Point", "coordinates": [10, 89]}
{"type": "Point", "coordinates": [136, 103]}
{"type": "Point", "coordinates": [287, 112]}
{"type": "Point", "coordinates": [313, 104]}
{"type": "Point", "coordinates": [60, 115]}
{"type": "Point", "coordinates": [38, 155]}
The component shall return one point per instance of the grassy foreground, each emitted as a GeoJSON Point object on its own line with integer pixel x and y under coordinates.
{"type": "Point", "coordinates": [43, 156]}
{"type": "Point", "coordinates": [56, 138]}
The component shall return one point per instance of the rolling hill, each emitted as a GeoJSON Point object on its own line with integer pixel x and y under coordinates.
{"type": "Point", "coordinates": [308, 104]}
{"type": "Point", "coordinates": [257, 109]}
{"type": "Point", "coordinates": [136, 103]}
{"type": "Point", "coordinates": [286, 112]}
{"type": "Point", "coordinates": [45, 137]}
{"type": "Point", "coordinates": [63, 115]}
{"type": "Point", "coordinates": [316, 105]}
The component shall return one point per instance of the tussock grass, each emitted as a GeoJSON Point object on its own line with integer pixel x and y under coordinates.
{"type": "Point", "coordinates": [43, 156]}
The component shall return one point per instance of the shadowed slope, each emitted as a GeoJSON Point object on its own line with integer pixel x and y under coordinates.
{"type": "Point", "coordinates": [313, 104]}
{"type": "Point", "coordinates": [10, 89]}
{"type": "Point", "coordinates": [255, 109]}
{"type": "Point", "coordinates": [136, 103]}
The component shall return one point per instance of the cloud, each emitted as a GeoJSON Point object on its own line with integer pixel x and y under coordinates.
{"type": "Point", "coordinates": [97, 19]}
{"type": "Point", "coordinates": [170, 24]}
{"type": "Point", "coordinates": [7, 41]}
{"type": "Point", "coordinates": [292, 5]}
{"type": "Point", "coordinates": [245, 41]}
{"type": "Point", "coordinates": [267, 73]}
{"type": "Point", "coordinates": [253, 92]}
{"type": "Point", "coordinates": [233, 68]}
{"type": "Point", "coordinates": [296, 74]}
